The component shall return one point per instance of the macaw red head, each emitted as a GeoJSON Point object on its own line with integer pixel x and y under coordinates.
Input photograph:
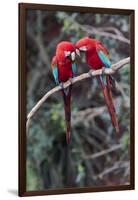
{"type": "Point", "coordinates": [83, 45]}
{"type": "Point", "coordinates": [65, 50]}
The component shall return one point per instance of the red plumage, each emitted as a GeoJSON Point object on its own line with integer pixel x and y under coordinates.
{"type": "Point", "coordinates": [109, 102]}
{"type": "Point", "coordinates": [91, 48]}
{"type": "Point", "coordinates": [64, 63]}
{"type": "Point", "coordinates": [67, 109]}
{"type": "Point", "coordinates": [64, 66]}
{"type": "Point", "coordinates": [92, 45]}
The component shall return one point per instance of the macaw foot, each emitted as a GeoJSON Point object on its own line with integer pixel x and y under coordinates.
{"type": "Point", "coordinates": [66, 90]}
{"type": "Point", "coordinates": [103, 70]}
{"type": "Point", "coordinates": [71, 80]}
{"type": "Point", "coordinates": [61, 85]}
{"type": "Point", "coordinates": [90, 72]}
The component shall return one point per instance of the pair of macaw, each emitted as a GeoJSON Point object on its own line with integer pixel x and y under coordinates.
{"type": "Point", "coordinates": [64, 68]}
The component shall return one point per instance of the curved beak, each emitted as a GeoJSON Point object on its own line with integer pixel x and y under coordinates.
{"type": "Point", "coordinates": [73, 56]}
{"type": "Point", "coordinates": [78, 52]}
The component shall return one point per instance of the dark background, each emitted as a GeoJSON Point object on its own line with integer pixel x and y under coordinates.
{"type": "Point", "coordinates": [94, 157]}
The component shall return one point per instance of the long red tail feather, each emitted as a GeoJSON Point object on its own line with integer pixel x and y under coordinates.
{"type": "Point", "coordinates": [110, 91]}
{"type": "Point", "coordinates": [67, 109]}
{"type": "Point", "coordinates": [109, 102]}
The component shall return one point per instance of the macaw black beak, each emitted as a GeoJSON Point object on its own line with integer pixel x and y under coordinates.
{"type": "Point", "coordinates": [78, 52]}
{"type": "Point", "coordinates": [73, 56]}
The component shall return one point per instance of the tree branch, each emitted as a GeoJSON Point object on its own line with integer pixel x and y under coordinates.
{"type": "Point", "coordinates": [118, 165]}
{"type": "Point", "coordinates": [96, 31]}
{"type": "Point", "coordinates": [93, 73]}
{"type": "Point", "coordinates": [93, 30]}
{"type": "Point", "coordinates": [103, 152]}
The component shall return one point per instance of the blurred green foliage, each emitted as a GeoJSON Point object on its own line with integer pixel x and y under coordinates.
{"type": "Point", "coordinates": [50, 162]}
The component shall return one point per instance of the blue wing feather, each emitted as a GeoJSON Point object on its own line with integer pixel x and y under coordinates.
{"type": "Point", "coordinates": [55, 74]}
{"type": "Point", "coordinates": [74, 69]}
{"type": "Point", "coordinates": [103, 57]}
{"type": "Point", "coordinates": [105, 60]}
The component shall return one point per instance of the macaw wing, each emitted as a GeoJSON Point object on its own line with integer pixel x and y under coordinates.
{"type": "Point", "coordinates": [55, 73]}
{"type": "Point", "coordinates": [103, 55]}
{"type": "Point", "coordinates": [74, 69]}
{"type": "Point", "coordinates": [104, 58]}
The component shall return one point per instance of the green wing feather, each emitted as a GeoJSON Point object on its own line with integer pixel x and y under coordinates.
{"type": "Point", "coordinates": [74, 69]}
{"type": "Point", "coordinates": [55, 73]}
{"type": "Point", "coordinates": [104, 58]}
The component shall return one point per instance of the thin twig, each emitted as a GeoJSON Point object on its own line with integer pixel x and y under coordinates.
{"type": "Point", "coordinates": [111, 28]}
{"type": "Point", "coordinates": [118, 165]}
{"type": "Point", "coordinates": [94, 31]}
{"type": "Point", "coordinates": [107, 71]}
{"type": "Point", "coordinates": [104, 152]}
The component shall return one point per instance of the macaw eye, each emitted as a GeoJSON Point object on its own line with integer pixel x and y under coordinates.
{"type": "Point", "coordinates": [67, 53]}
{"type": "Point", "coordinates": [83, 48]}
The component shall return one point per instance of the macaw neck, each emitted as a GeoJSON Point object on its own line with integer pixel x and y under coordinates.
{"type": "Point", "coordinates": [89, 53]}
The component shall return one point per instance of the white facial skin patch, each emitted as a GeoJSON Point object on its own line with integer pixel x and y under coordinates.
{"type": "Point", "coordinates": [83, 48]}
{"type": "Point", "coordinates": [77, 52]}
{"type": "Point", "coordinates": [73, 56]}
{"type": "Point", "coordinates": [67, 53]}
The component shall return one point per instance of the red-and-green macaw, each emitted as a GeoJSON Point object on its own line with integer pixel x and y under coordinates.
{"type": "Point", "coordinates": [64, 68]}
{"type": "Point", "coordinates": [97, 57]}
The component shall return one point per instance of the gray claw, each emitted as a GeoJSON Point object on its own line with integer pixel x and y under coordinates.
{"type": "Point", "coordinates": [90, 72]}
{"type": "Point", "coordinates": [70, 79]}
{"type": "Point", "coordinates": [61, 85]}
{"type": "Point", "coordinates": [103, 70]}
